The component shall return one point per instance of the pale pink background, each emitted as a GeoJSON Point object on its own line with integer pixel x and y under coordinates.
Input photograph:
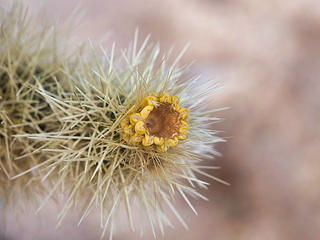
{"type": "Point", "coordinates": [267, 54]}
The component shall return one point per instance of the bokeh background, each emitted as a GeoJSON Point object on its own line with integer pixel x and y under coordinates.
{"type": "Point", "coordinates": [267, 56]}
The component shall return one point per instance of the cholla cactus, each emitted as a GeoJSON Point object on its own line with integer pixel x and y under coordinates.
{"type": "Point", "coordinates": [28, 55]}
{"type": "Point", "coordinates": [132, 132]}
{"type": "Point", "coordinates": [126, 128]}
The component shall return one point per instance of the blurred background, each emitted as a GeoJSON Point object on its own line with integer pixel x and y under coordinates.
{"type": "Point", "coordinates": [267, 56]}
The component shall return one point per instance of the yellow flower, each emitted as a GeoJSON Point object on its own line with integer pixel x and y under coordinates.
{"type": "Point", "coordinates": [156, 121]}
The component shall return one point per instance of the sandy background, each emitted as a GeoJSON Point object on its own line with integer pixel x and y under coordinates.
{"type": "Point", "coordinates": [267, 55]}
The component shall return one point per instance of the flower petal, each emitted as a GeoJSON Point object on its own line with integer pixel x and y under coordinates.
{"type": "Point", "coordinates": [175, 100]}
{"type": "Point", "coordinates": [146, 111]}
{"type": "Point", "coordinates": [125, 122]}
{"type": "Point", "coordinates": [149, 101]}
{"type": "Point", "coordinates": [139, 127]}
{"type": "Point", "coordinates": [147, 140]}
{"type": "Point", "coordinates": [165, 98]}
{"type": "Point", "coordinates": [134, 118]}
{"type": "Point", "coordinates": [173, 142]}
{"type": "Point", "coordinates": [183, 112]}
{"type": "Point", "coordinates": [137, 138]}
{"type": "Point", "coordinates": [158, 141]}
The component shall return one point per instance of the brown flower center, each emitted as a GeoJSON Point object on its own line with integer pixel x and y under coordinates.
{"type": "Point", "coordinates": [163, 121]}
